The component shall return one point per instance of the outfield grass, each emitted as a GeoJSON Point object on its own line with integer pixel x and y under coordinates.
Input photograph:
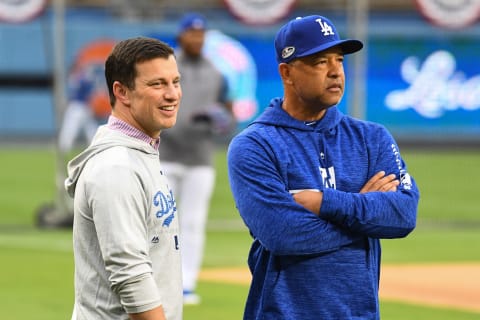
{"type": "Point", "coordinates": [448, 182]}
{"type": "Point", "coordinates": [36, 278]}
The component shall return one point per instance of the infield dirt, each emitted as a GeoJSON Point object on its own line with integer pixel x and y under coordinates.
{"type": "Point", "coordinates": [455, 285]}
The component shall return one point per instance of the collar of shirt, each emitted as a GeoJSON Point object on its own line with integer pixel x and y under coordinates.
{"type": "Point", "coordinates": [119, 125]}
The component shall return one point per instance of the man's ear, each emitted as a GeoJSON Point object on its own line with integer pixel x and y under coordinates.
{"type": "Point", "coordinates": [284, 71]}
{"type": "Point", "coordinates": [121, 92]}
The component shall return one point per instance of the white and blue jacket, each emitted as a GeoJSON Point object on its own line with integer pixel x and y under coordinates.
{"type": "Point", "coordinates": [305, 266]}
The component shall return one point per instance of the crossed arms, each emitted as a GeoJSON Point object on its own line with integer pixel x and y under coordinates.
{"type": "Point", "coordinates": [312, 200]}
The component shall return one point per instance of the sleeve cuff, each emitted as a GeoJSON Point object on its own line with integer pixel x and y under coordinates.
{"type": "Point", "coordinates": [334, 204]}
{"type": "Point", "coordinates": [140, 294]}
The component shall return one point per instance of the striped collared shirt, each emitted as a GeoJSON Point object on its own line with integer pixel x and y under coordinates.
{"type": "Point", "coordinates": [116, 124]}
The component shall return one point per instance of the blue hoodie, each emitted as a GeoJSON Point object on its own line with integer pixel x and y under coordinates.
{"type": "Point", "coordinates": [305, 266]}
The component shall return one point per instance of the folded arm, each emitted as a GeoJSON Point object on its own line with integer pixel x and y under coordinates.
{"type": "Point", "coordinates": [312, 200]}
{"type": "Point", "coordinates": [282, 226]}
{"type": "Point", "coordinates": [379, 210]}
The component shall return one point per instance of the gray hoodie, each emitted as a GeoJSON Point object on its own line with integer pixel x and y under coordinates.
{"type": "Point", "coordinates": [125, 230]}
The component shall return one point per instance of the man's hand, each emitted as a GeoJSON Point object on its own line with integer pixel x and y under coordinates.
{"type": "Point", "coordinates": [381, 182]}
{"type": "Point", "coordinates": [310, 200]}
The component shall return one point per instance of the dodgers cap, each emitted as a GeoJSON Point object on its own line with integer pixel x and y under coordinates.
{"type": "Point", "coordinates": [304, 36]}
{"type": "Point", "coordinates": [192, 20]}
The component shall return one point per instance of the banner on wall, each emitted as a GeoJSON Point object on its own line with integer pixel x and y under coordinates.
{"type": "Point", "coordinates": [260, 12]}
{"type": "Point", "coordinates": [20, 11]}
{"type": "Point", "coordinates": [448, 13]}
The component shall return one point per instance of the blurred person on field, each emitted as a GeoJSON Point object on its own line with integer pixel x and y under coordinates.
{"type": "Point", "coordinates": [187, 150]}
{"type": "Point", "coordinates": [88, 102]}
{"type": "Point", "coordinates": [316, 188]}
{"type": "Point", "coordinates": [125, 227]}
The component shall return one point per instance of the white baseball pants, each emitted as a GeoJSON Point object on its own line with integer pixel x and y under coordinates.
{"type": "Point", "coordinates": [192, 188]}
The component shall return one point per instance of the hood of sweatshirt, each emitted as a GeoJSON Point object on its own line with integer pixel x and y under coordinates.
{"type": "Point", "coordinates": [104, 139]}
{"type": "Point", "coordinates": [274, 115]}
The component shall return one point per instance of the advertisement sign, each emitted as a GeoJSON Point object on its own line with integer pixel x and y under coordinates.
{"type": "Point", "coordinates": [425, 87]}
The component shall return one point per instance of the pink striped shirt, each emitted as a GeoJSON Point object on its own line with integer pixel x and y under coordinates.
{"type": "Point", "coordinates": [119, 125]}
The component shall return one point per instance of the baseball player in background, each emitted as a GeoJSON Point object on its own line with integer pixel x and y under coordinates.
{"type": "Point", "coordinates": [88, 104]}
{"type": "Point", "coordinates": [187, 150]}
{"type": "Point", "coordinates": [317, 189]}
{"type": "Point", "coordinates": [125, 229]}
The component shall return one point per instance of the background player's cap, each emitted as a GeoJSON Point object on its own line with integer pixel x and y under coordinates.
{"type": "Point", "coordinates": [192, 20]}
{"type": "Point", "coordinates": [304, 36]}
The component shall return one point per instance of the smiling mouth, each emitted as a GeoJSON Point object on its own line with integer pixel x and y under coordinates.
{"type": "Point", "coordinates": [168, 108]}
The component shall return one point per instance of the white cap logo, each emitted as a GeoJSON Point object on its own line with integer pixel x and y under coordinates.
{"type": "Point", "coordinates": [326, 29]}
{"type": "Point", "coordinates": [287, 52]}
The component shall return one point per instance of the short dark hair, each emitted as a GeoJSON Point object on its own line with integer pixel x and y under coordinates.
{"type": "Point", "coordinates": [121, 63]}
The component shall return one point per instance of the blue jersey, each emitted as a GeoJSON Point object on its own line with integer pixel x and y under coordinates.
{"type": "Point", "coordinates": [85, 82]}
{"type": "Point", "coordinates": [305, 266]}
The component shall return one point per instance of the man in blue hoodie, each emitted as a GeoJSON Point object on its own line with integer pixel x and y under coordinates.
{"type": "Point", "coordinates": [316, 188]}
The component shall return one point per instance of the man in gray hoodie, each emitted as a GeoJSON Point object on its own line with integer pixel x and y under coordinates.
{"type": "Point", "coordinates": [125, 231]}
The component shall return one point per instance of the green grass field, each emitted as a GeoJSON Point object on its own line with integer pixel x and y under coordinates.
{"type": "Point", "coordinates": [36, 278]}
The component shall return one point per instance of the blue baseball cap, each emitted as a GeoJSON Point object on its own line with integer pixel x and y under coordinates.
{"type": "Point", "coordinates": [192, 20]}
{"type": "Point", "coordinates": [304, 36]}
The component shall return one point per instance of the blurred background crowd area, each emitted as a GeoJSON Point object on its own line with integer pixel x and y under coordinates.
{"type": "Point", "coordinates": [417, 75]}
